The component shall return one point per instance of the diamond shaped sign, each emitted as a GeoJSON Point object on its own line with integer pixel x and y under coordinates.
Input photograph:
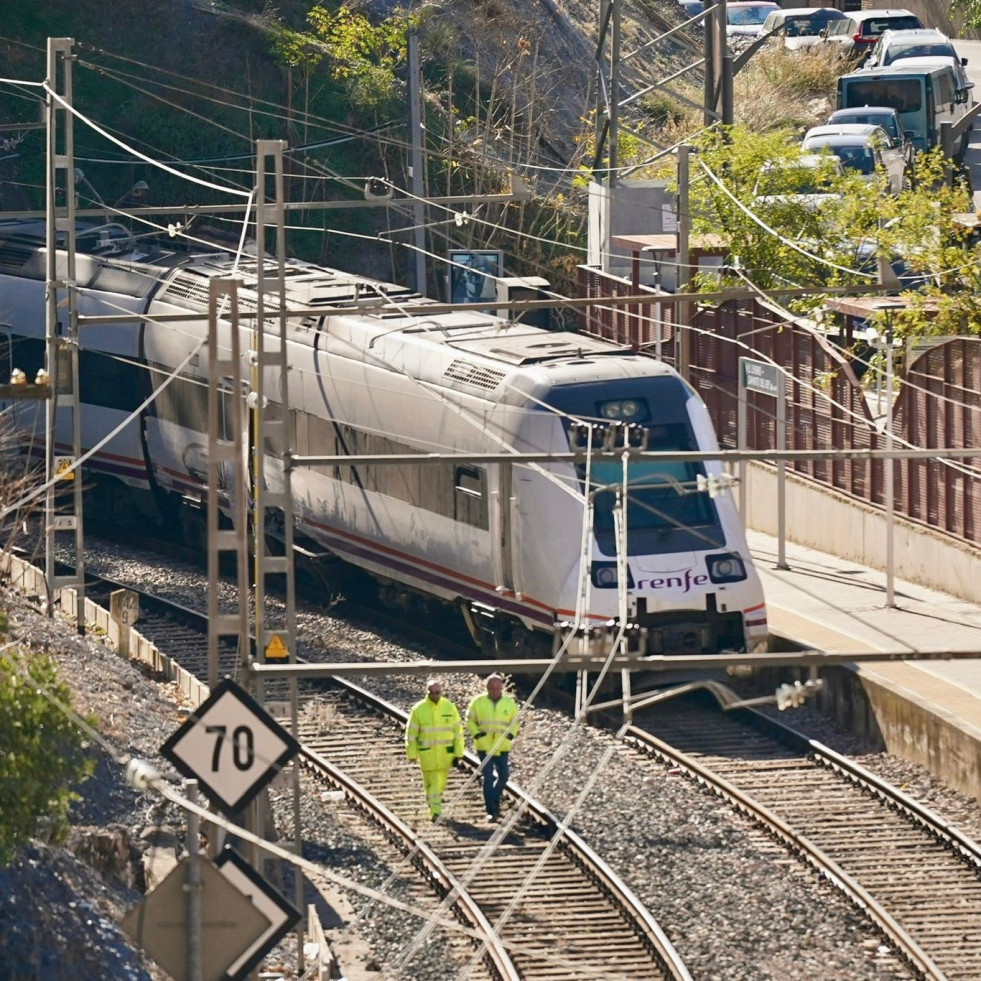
{"type": "Point", "coordinates": [231, 746]}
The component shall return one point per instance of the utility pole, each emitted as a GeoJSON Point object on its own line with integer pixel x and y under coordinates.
{"type": "Point", "coordinates": [718, 67]}
{"type": "Point", "coordinates": [415, 170]}
{"type": "Point", "coordinates": [606, 117]}
{"type": "Point", "coordinates": [272, 452]}
{"type": "Point", "coordinates": [682, 329]}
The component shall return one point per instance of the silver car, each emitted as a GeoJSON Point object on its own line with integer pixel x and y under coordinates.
{"type": "Point", "coordinates": [801, 27]}
{"type": "Point", "coordinates": [884, 116]}
{"type": "Point", "coordinates": [862, 147]}
{"type": "Point", "coordinates": [926, 42]}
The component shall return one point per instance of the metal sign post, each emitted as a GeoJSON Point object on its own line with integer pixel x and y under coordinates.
{"type": "Point", "coordinates": [767, 379]}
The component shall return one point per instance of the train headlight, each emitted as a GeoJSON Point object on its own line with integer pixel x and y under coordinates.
{"type": "Point", "coordinates": [604, 575]}
{"type": "Point", "coordinates": [728, 567]}
{"type": "Point", "coordinates": [624, 410]}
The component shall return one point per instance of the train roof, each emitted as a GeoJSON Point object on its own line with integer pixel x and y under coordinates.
{"type": "Point", "coordinates": [468, 350]}
{"type": "Point", "coordinates": [108, 256]}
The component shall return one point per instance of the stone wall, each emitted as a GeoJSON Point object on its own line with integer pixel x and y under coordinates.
{"type": "Point", "coordinates": [933, 13]}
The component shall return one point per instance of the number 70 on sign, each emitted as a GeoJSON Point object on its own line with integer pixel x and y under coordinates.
{"type": "Point", "coordinates": [231, 746]}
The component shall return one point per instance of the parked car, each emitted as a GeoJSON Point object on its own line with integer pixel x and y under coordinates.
{"type": "Point", "coordinates": [855, 34]}
{"type": "Point", "coordinates": [862, 147]}
{"type": "Point", "coordinates": [745, 19]}
{"type": "Point", "coordinates": [962, 84]}
{"type": "Point", "coordinates": [801, 26]}
{"type": "Point", "coordinates": [925, 42]}
{"type": "Point", "coordinates": [924, 96]}
{"type": "Point", "coordinates": [692, 7]}
{"type": "Point", "coordinates": [884, 116]}
{"type": "Point", "coordinates": [806, 179]}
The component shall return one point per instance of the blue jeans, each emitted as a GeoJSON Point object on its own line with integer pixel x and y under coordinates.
{"type": "Point", "coordinates": [496, 775]}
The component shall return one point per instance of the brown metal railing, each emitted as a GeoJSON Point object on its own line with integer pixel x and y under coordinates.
{"type": "Point", "coordinates": [938, 402]}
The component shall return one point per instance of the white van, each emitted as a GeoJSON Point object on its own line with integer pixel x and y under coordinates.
{"type": "Point", "coordinates": [924, 96]}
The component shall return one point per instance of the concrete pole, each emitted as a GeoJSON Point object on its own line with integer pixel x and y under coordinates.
{"type": "Point", "coordinates": [61, 359]}
{"type": "Point", "coordinates": [416, 171]}
{"type": "Point", "coordinates": [708, 99]}
{"type": "Point", "coordinates": [683, 334]}
{"type": "Point", "coordinates": [782, 474]}
{"type": "Point", "coordinates": [888, 468]}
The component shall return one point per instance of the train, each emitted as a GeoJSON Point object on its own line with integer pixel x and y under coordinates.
{"type": "Point", "coordinates": [517, 546]}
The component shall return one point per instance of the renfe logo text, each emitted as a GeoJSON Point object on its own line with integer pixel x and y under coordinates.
{"type": "Point", "coordinates": [684, 583]}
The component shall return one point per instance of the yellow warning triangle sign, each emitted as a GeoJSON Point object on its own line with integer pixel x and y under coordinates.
{"type": "Point", "coordinates": [276, 649]}
{"type": "Point", "coordinates": [63, 468]}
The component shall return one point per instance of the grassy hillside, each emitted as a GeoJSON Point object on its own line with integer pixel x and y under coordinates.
{"type": "Point", "coordinates": [202, 91]}
{"type": "Point", "coordinates": [508, 89]}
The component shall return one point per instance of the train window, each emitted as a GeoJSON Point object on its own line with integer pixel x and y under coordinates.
{"type": "Point", "coordinates": [226, 408]}
{"type": "Point", "coordinates": [184, 402]}
{"type": "Point", "coordinates": [663, 514]}
{"type": "Point", "coordinates": [459, 493]}
{"type": "Point", "coordinates": [315, 437]}
{"type": "Point", "coordinates": [275, 444]}
{"type": "Point", "coordinates": [110, 382]}
{"type": "Point", "coordinates": [470, 496]}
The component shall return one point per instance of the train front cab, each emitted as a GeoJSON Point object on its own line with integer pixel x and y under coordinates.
{"type": "Point", "coordinates": [691, 586]}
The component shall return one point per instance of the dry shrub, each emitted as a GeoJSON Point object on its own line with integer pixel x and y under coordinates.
{"type": "Point", "coordinates": [777, 89]}
{"type": "Point", "coordinates": [780, 88]}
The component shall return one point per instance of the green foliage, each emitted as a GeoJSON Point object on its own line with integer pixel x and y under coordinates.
{"type": "Point", "coordinates": [660, 109]}
{"type": "Point", "coordinates": [744, 182]}
{"type": "Point", "coordinates": [294, 48]}
{"type": "Point", "coordinates": [365, 57]}
{"type": "Point", "coordinates": [41, 752]}
{"type": "Point", "coordinates": [970, 10]}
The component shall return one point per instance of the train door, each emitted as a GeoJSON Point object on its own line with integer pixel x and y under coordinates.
{"type": "Point", "coordinates": [503, 529]}
{"type": "Point", "coordinates": [227, 475]}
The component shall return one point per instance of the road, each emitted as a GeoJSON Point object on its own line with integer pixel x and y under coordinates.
{"type": "Point", "coordinates": [972, 51]}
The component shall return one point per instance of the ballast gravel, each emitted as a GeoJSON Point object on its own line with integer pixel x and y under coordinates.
{"type": "Point", "coordinates": [736, 905]}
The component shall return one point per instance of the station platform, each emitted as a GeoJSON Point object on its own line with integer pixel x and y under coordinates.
{"type": "Point", "coordinates": [927, 711]}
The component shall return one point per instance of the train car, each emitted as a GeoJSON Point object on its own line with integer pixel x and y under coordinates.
{"type": "Point", "coordinates": [516, 546]}
{"type": "Point", "coordinates": [114, 274]}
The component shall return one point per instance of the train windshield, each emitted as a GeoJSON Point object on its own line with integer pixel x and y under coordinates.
{"type": "Point", "coordinates": [665, 511]}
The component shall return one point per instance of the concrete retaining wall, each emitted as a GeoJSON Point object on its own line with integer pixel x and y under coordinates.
{"type": "Point", "coordinates": [830, 522]}
{"type": "Point", "coordinates": [870, 702]}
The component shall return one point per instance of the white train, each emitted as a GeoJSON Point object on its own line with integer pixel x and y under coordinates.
{"type": "Point", "coordinates": [502, 541]}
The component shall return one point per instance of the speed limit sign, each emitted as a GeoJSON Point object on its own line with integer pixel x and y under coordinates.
{"type": "Point", "coordinates": [231, 746]}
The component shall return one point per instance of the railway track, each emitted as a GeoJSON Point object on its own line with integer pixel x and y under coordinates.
{"type": "Point", "coordinates": [917, 877]}
{"type": "Point", "coordinates": [520, 885]}
{"type": "Point", "coordinates": [527, 880]}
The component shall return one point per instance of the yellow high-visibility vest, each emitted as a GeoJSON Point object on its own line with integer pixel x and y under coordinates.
{"type": "Point", "coordinates": [434, 734]}
{"type": "Point", "coordinates": [492, 725]}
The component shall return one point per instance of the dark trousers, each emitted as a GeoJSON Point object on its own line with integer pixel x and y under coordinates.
{"type": "Point", "coordinates": [496, 775]}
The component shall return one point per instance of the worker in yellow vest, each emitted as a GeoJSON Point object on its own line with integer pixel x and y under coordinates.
{"type": "Point", "coordinates": [492, 722]}
{"type": "Point", "coordinates": [434, 737]}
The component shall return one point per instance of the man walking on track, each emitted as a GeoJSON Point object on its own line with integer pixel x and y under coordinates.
{"type": "Point", "coordinates": [434, 737]}
{"type": "Point", "coordinates": [493, 725]}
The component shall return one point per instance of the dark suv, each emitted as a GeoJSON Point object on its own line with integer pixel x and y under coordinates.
{"type": "Point", "coordinates": [855, 34]}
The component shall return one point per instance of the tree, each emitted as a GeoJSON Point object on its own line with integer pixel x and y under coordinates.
{"type": "Point", "coordinates": [365, 57]}
{"type": "Point", "coordinates": [749, 185]}
{"type": "Point", "coordinates": [41, 752]}
{"type": "Point", "coordinates": [970, 10]}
